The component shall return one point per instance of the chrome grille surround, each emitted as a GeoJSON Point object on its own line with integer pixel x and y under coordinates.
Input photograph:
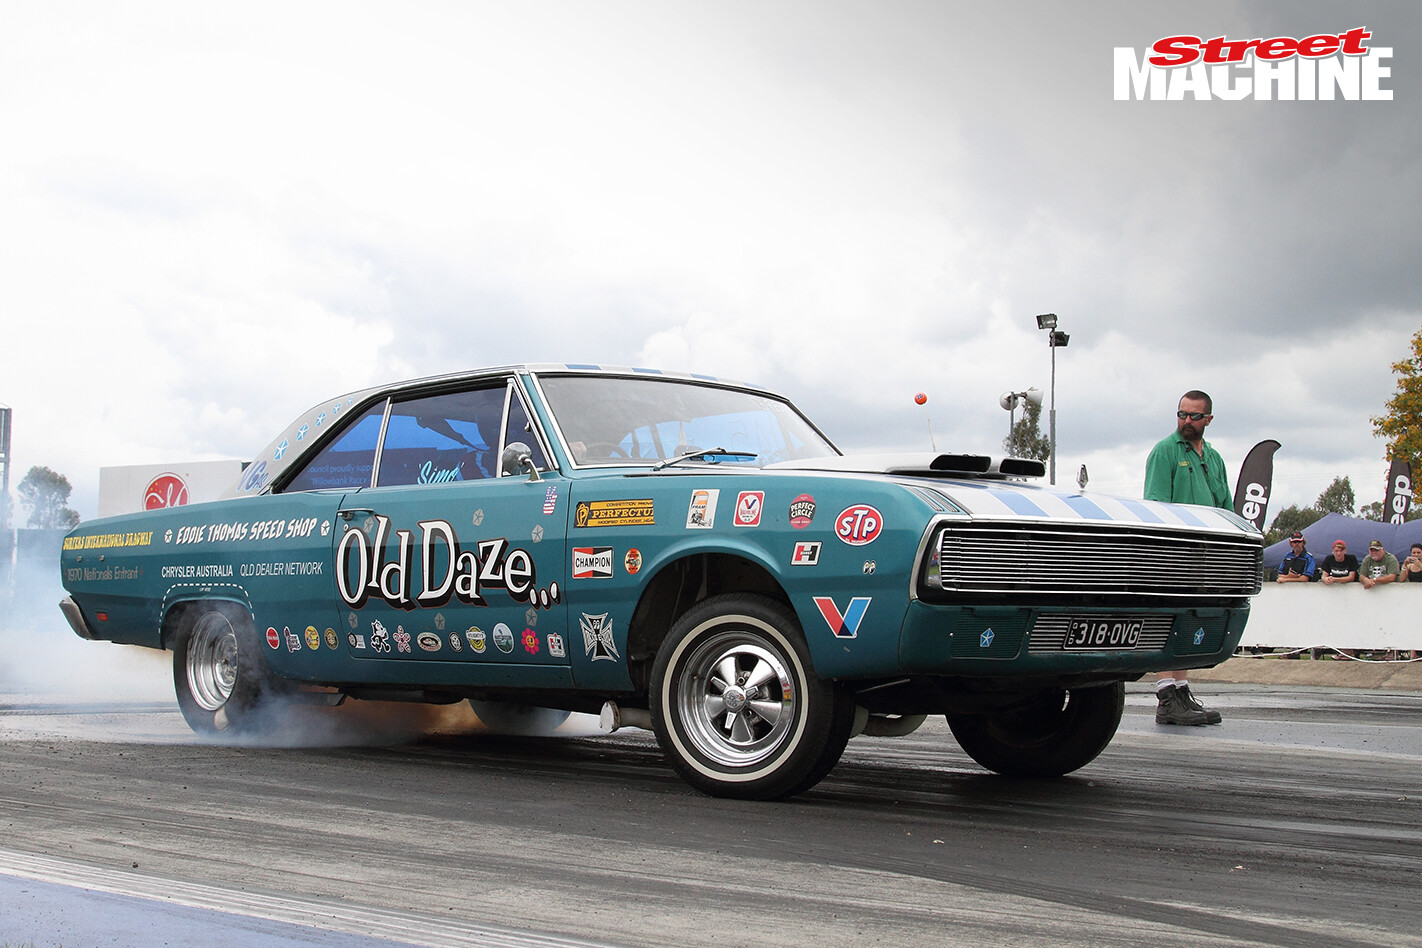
{"type": "Point", "coordinates": [1122, 561]}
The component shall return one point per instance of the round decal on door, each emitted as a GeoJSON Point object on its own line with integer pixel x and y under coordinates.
{"type": "Point", "coordinates": [858, 525]}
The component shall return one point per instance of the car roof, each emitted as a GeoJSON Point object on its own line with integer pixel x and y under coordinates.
{"type": "Point", "coordinates": [293, 443]}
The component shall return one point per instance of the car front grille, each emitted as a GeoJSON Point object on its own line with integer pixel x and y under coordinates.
{"type": "Point", "coordinates": [1119, 563]}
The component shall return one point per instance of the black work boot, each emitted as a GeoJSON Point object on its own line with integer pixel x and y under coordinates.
{"type": "Point", "coordinates": [1172, 709]}
{"type": "Point", "coordinates": [1211, 716]}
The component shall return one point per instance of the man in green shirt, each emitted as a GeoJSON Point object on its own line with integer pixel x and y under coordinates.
{"type": "Point", "coordinates": [1184, 469]}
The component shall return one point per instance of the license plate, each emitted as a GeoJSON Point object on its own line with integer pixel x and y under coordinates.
{"type": "Point", "coordinates": [1098, 633]}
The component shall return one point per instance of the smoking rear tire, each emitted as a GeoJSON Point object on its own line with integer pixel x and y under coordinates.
{"type": "Point", "coordinates": [1054, 733]}
{"type": "Point", "coordinates": [736, 705]}
{"type": "Point", "coordinates": [505, 717]}
{"type": "Point", "coordinates": [220, 673]}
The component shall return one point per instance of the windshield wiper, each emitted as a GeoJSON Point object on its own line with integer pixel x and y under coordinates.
{"type": "Point", "coordinates": [709, 455]}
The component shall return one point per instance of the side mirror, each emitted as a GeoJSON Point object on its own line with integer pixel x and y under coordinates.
{"type": "Point", "coordinates": [518, 457]}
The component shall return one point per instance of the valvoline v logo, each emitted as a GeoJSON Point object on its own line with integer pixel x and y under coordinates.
{"type": "Point", "coordinates": [844, 625]}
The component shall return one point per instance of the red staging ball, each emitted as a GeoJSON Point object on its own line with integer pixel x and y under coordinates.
{"type": "Point", "coordinates": [921, 398]}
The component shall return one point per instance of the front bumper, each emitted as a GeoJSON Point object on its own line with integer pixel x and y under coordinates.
{"type": "Point", "coordinates": [1008, 641]}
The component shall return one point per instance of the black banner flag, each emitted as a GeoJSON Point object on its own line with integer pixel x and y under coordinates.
{"type": "Point", "coordinates": [1399, 492]}
{"type": "Point", "coordinates": [1256, 477]}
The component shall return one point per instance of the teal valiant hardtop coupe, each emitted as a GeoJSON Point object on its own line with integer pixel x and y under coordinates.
{"type": "Point", "coordinates": [672, 552]}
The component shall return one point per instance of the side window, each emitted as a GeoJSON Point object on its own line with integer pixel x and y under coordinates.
{"type": "Point", "coordinates": [520, 429]}
{"type": "Point", "coordinates": [347, 462]}
{"type": "Point", "coordinates": [443, 438]}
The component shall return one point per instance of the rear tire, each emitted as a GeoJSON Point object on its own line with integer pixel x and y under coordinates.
{"type": "Point", "coordinates": [1056, 732]}
{"type": "Point", "coordinates": [736, 704]}
{"type": "Point", "coordinates": [220, 673]}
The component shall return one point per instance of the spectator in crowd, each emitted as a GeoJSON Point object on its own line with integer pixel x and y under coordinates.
{"type": "Point", "coordinates": [1184, 469]}
{"type": "Point", "coordinates": [1299, 566]}
{"type": "Point", "coordinates": [1411, 571]}
{"type": "Point", "coordinates": [1378, 567]}
{"type": "Point", "coordinates": [1341, 567]}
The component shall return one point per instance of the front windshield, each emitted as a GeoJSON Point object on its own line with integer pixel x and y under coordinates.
{"type": "Point", "coordinates": [613, 420]}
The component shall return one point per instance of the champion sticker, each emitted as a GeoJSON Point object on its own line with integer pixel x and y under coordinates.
{"type": "Point", "coordinates": [592, 562]}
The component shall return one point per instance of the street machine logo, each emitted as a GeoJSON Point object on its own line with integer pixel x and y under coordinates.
{"type": "Point", "coordinates": [1325, 66]}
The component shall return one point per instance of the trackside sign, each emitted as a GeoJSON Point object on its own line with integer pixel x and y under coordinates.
{"type": "Point", "coordinates": [1326, 66]}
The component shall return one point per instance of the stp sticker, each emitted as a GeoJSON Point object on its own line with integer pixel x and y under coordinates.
{"type": "Point", "coordinates": [273, 637]}
{"type": "Point", "coordinates": [748, 507]}
{"type": "Point", "coordinates": [806, 554]}
{"type": "Point", "coordinates": [632, 562]}
{"type": "Point", "coordinates": [858, 525]}
{"type": "Point", "coordinates": [844, 625]}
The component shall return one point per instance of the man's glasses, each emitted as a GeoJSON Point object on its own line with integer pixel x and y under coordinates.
{"type": "Point", "coordinates": [1192, 415]}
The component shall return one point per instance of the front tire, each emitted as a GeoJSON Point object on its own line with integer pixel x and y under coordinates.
{"type": "Point", "coordinates": [1054, 733]}
{"type": "Point", "coordinates": [220, 673]}
{"type": "Point", "coordinates": [736, 705]}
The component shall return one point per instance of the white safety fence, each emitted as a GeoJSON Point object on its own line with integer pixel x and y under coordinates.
{"type": "Point", "coordinates": [1299, 615]}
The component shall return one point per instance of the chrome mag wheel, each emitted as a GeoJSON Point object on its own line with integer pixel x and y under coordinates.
{"type": "Point", "coordinates": [212, 661]}
{"type": "Point", "coordinates": [737, 699]}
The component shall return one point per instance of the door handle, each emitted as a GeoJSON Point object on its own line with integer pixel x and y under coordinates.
{"type": "Point", "coordinates": [350, 513]}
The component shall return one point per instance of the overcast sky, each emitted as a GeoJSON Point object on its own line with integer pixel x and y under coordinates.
{"type": "Point", "coordinates": [215, 215]}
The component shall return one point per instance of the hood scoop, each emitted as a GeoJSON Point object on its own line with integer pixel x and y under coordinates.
{"type": "Point", "coordinates": [921, 465]}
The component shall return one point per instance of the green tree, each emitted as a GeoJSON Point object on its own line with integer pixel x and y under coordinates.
{"type": "Point", "coordinates": [1337, 497]}
{"type": "Point", "coordinates": [1402, 423]}
{"type": "Point", "coordinates": [1374, 511]}
{"type": "Point", "coordinates": [45, 494]}
{"type": "Point", "coordinates": [1026, 439]}
{"type": "Point", "coordinates": [1290, 519]}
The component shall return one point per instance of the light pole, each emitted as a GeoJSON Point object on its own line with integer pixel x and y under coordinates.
{"type": "Point", "coordinates": [1055, 337]}
{"type": "Point", "coordinates": [1010, 401]}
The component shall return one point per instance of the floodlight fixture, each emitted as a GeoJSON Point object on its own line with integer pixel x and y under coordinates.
{"type": "Point", "coordinates": [1047, 321]}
